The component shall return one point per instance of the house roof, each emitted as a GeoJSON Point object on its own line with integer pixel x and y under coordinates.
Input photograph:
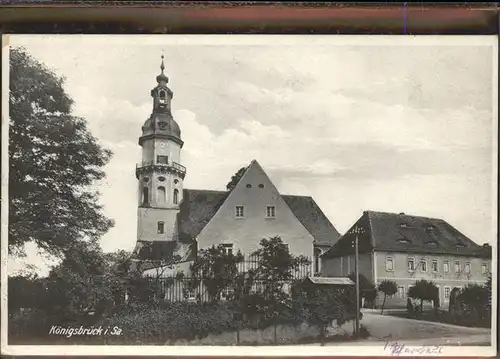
{"type": "Point", "coordinates": [196, 210]}
{"type": "Point", "coordinates": [199, 206]}
{"type": "Point", "coordinates": [313, 219]}
{"type": "Point", "coordinates": [407, 233]}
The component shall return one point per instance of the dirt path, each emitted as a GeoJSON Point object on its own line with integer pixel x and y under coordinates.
{"type": "Point", "coordinates": [386, 327]}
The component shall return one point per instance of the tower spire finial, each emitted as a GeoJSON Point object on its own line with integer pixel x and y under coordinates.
{"type": "Point", "coordinates": [162, 77]}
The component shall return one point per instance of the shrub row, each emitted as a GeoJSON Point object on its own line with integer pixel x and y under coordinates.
{"type": "Point", "coordinates": [161, 323]}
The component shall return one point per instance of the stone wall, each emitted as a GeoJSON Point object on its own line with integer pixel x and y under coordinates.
{"type": "Point", "coordinates": [286, 334]}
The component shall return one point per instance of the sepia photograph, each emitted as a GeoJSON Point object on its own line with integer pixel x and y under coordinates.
{"type": "Point", "coordinates": [249, 194]}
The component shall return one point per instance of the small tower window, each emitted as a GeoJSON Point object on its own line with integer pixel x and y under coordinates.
{"type": "Point", "coordinates": [145, 195]}
{"type": "Point", "coordinates": [162, 195]}
{"type": "Point", "coordinates": [176, 196]}
{"type": "Point", "coordinates": [161, 227]}
{"type": "Point", "coordinates": [162, 97]}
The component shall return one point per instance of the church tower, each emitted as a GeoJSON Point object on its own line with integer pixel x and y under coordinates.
{"type": "Point", "coordinates": [160, 174]}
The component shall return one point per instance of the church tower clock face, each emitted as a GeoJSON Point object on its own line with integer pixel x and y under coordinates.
{"type": "Point", "coordinates": [162, 144]}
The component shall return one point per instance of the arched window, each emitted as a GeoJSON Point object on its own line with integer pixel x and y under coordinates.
{"type": "Point", "coordinates": [162, 97]}
{"type": "Point", "coordinates": [317, 260]}
{"type": "Point", "coordinates": [145, 195]}
{"type": "Point", "coordinates": [162, 195]}
{"type": "Point", "coordinates": [176, 196]}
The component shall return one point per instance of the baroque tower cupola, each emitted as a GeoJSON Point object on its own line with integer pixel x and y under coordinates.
{"type": "Point", "coordinates": [161, 121]}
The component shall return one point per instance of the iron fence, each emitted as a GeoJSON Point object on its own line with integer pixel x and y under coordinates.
{"type": "Point", "coordinates": [182, 289]}
{"type": "Point", "coordinates": [186, 288]}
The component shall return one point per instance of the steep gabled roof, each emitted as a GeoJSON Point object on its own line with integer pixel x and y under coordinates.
{"type": "Point", "coordinates": [313, 219]}
{"type": "Point", "coordinates": [199, 206]}
{"type": "Point", "coordinates": [406, 233]}
{"type": "Point", "coordinates": [196, 210]}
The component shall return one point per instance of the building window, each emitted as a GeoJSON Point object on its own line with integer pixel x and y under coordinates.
{"type": "Point", "coordinates": [457, 267]}
{"type": "Point", "coordinates": [228, 248]}
{"type": "Point", "coordinates": [249, 185]}
{"type": "Point", "coordinates": [447, 291]}
{"type": "Point", "coordinates": [423, 265]}
{"type": "Point", "coordinates": [270, 211]}
{"type": "Point", "coordinates": [240, 212]}
{"type": "Point", "coordinates": [162, 195]}
{"type": "Point", "coordinates": [411, 264]}
{"type": "Point", "coordinates": [401, 292]}
{"type": "Point", "coordinates": [176, 196]}
{"type": "Point", "coordinates": [435, 267]}
{"type": "Point", "coordinates": [467, 268]}
{"type": "Point", "coordinates": [446, 267]}
{"type": "Point", "coordinates": [145, 195]}
{"type": "Point", "coordinates": [162, 159]}
{"type": "Point", "coordinates": [161, 227]}
{"type": "Point", "coordinates": [261, 186]}
{"type": "Point", "coordinates": [484, 269]}
{"type": "Point", "coordinates": [389, 264]}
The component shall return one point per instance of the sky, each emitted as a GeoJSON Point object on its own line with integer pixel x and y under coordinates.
{"type": "Point", "coordinates": [396, 124]}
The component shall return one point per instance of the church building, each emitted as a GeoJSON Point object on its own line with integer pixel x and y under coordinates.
{"type": "Point", "coordinates": [173, 219]}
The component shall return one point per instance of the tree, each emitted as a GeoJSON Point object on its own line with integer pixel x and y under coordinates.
{"type": "Point", "coordinates": [53, 161]}
{"type": "Point", "coordinates": [323, 304]}
{"type": "Point", "coordinates": [25, 292]}
{"type": "Point", "coordinates": [424, 290]}
{"type": "Point", "coordinates": [235, 179]}
{"type": "Point", "coordinates": [389, 288]}
{"type": "Point", "coordinates": [475, 301]}
{"type": "Point", "coordinates": [367, 289]}
{"type": "Point", "coordinates": [276, 267]}
{"type": "Point", "coordinates": [215, 269]}
{"type": "Point", "coordinates": [488, 290]}
{"type": "Point", "coordinates": [80, 285]}
{"type": "Point", "coordinates": [157, 258]}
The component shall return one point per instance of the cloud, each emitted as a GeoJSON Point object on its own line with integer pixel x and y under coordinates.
{"type": "Point", "coordinates": [396, 128]}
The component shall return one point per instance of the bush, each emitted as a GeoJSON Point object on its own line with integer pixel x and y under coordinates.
{"type": "Point", "coordinates": [28, 325]}
{"type": "Point", "coordinates": [167, 322]}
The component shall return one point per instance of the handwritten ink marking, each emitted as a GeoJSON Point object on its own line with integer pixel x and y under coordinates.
{"type": "Point", "coordinates": [396, 348]}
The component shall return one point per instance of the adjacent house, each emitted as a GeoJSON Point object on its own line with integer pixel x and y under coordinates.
{"type": "Point", "coordinates": [405, 248]}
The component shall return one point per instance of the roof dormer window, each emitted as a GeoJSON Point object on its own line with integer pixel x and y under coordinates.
{"type": "Point", "coordinates": [403, 225]}
{"type": "Point", "coordinates": [404, 240]}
